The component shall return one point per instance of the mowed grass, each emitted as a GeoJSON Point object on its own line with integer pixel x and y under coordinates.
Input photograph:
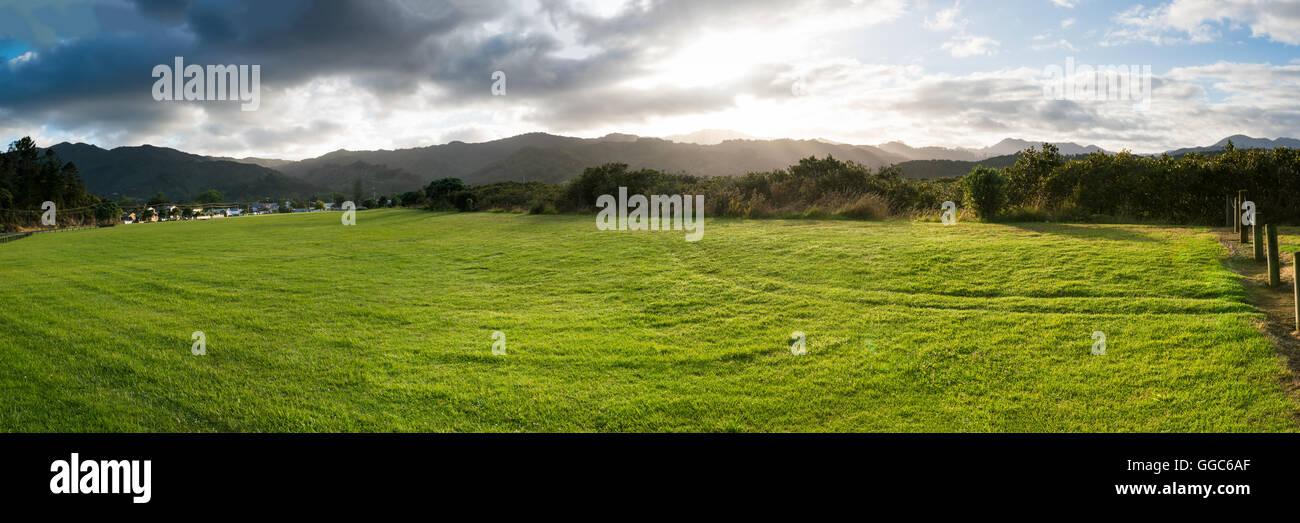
{"type": "Point", "coordinates": [387, 326]}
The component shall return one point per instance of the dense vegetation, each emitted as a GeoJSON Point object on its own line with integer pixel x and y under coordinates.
{"type": "Point", "coordinates": [30, 177]}
{"type": "Point", "coordinates": [1188, 189]}
{"type": "Point", "coordinates": [1040, 185]}
{"type": "Point", "coordinates": [813, 188]}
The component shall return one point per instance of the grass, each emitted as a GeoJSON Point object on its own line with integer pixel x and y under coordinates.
{"type": "Point", "coordinates": [387, 326]}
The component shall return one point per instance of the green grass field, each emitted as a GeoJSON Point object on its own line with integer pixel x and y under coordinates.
{"type": "Point", "coordinates": [387, 326]}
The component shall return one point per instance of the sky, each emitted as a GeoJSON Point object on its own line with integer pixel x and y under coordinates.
{"type": "Point", "coordinates": [388, 74]}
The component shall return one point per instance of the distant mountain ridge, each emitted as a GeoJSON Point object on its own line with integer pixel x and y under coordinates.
{"type": "Point", "coordinates": [710, 137]}
{"type": "Point", "coordinates": [1240, 141]}
{"type": "Point", "coordinates": [141, 171]}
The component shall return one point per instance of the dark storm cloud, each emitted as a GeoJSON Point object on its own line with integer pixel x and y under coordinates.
{"type": "Point", "coordinates": [293, 41]}
{"type": "Point", "coordinates": [385, 47]}
{"type": "Point", "coordinates": [165, 10]}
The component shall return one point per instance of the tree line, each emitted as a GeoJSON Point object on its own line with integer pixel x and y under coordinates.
{"type": "Point", "coordinates": [30, 177]}
{"type": "Point", "coordinates": [1042, 184]}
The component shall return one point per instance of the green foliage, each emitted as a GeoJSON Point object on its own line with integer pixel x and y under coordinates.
{"type": "Point", "coordinates": [441, 193]}
{"type": "Point", "coordinates": [986, 190]}
{"type": "Point", "coordinates": [410, 198]}
{"type": "Point", "coordinates": [107, 211]}
{"type": "Point", "coordinates": [210, 196]}
{"type": "Point", "coordinates": [1030, 172]}
{"type": "Point", "coordinates": [30, 177]}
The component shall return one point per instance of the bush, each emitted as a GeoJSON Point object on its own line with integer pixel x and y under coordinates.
{"type": "Point", "coordinates": [543, 208]}
{"type": "Point", "coordinates": [866, 207]}
{"type": "Point", "coordinates": [108, 211]}
{"type": "Point", "coordinates": [410, 198]}
{"type": "Point", "coordinates": [444, 190]}
{"type": "Point", "coordinates": [986, 189]}
{"type": "Point", "coordinates": [462, 200]}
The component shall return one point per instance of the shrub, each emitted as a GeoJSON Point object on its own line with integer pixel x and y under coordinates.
{"type": "Point", "coordinates": [410, 198]}
{"type": "Point", "coordinates": [865, 207]}
{"type": "Point", "coordinates": [108, 211]}
{"type": "Point", "coordinates": [986, 189]}
{"type": "Point", "coordinates": [462, 200]}
{"type": "Point", "coordinates": [543, 208]}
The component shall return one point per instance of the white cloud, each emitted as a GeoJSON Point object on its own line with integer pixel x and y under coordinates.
{"type": "Point", "coordinates": [22, 58]}
{"type": "Point", "coordinates": [1058, 44]}
{"type": "Point", "coordinates": [1198, 21]}
{"type": "Point", "coordinates": [1068, 22]}
{"type": "Point", "coordinates": [1068, 4]}
{"type": "Point", "coordinates": [964, 45]}
{"type": "Point", "coordinates": [946, 19]}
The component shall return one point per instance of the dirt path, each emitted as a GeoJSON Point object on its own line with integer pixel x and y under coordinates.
{"type": "Point", "coordinates": [1277, 303]}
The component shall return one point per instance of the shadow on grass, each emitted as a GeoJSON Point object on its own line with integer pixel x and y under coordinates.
{"type": "Point", "coordinates": [1092, 232]}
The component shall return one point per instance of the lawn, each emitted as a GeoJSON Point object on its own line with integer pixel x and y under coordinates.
{"type": "Point", "coordinates": [387, 326]}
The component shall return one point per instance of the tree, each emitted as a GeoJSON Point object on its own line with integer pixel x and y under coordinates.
{"type": "Point", "coordinates": [210, 196]}
{"type": "Point", "coordinates": [1029, 174]}
{"type": "Point", "coordinates": [318, 205]}
{"type": "Point", "coordinates": [986, 189]}
{"type": "Point", "coordinates": [440, 190]}
{"type": "Point", "coordinates": [158, 199]}
{"type": "Point", "coordinates": [356, 191]}
{"type": "Point", "coordinates": [411, 198]}
{"type": "Point", "coordinates": [29, 177]}
{"type": "Point", "coordinates": [107, 212]}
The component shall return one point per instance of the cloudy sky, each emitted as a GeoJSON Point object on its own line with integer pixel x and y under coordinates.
{"type": "Point", "coordinates": [376, 74]}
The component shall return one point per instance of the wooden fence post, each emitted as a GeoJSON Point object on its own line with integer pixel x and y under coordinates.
{"type": "Point", "coordinates": [1274, 264]}
{"type": "Point", "coordinates": [1259, 240]}
{"type": "Point", "coordinates": [1245, 234]}
{"type": "Point", "coordinates": [1229, 216]}
{"type": "Point", "coordinates": [1236, 213]}
{"type": "Point", "coordinates": [1295, 284]}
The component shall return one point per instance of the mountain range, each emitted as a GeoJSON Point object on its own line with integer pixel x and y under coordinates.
{"type": "Point", "coordinates": [141, 171]}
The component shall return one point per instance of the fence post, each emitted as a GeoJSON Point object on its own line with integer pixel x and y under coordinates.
{"type": "Point", "coordinates": [1295, 285]}
{"type": "Point", "coordinates": [1259, 239]}
{"type": "Point", "coordinates": [1236, 214]}
{"type": "Point", "coordinates": [1229, 216]}
{"type": "Point", "coordinates": [1245, 235]}
{"type": "Point", "coordinates": [1274, 269]}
